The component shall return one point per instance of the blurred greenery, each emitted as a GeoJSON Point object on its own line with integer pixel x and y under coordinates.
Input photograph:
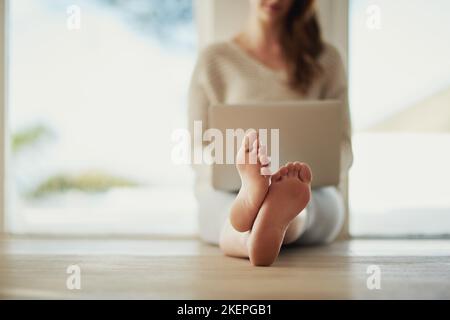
{"type": "Point", "coordinates": [29, 136]}
{"type": "Point", "coordinates": [89, 182]}
{"type": "Point", "coordinates": [161, 19]}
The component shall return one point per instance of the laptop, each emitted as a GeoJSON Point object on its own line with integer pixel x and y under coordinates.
{"type": "Point", "coordinates": [305, 131]}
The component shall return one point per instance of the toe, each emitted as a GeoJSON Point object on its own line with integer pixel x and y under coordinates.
{"type": "Point", "coordinates": [305, 173]}
{"type": "Point", "coordinates": [283, 172]}
{"type": "Point", "coordinates": [245, 143]}
{"type": "Point", "coordinates": [276, 176]}
{"type": "Point", "coordinates": [297, 168]}
{"type": "Point", "coordinates": [249, 139]}
{"type": "Point", "coordinates": [252, 139]}
{"type": "Point", "coordinates": [262, 155]}
{"type": "Point", "coordinates": [254, 146]}
{"type": "Point", "coordinates": [253, 154]}
{"type": "Point", "coordinates": [262, 150]}
{"type": "Point", "coordinates": [291, 169]}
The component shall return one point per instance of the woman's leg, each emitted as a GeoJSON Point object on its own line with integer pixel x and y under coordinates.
{"type": "Point", "coordinates": [259, 216]}
{"type": "Point", "coordinates": [229, 215]}
{"type": "Point", "coordinates": [213, 209]}
{"type": "Point", "coordinates": [260, 220]}
{"type": "Point", "coordinates": [288, 195]}
{"type": "Point", "coordinates": [252, 164]}
{"type": "Point", "coordinates": [234, 243]}
{"type": "Point", "coordinates": [325, 217]}
{"type": "Point", "coordinates": [320, 222]}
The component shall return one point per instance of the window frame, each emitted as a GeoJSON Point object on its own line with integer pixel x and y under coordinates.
{"type": "Point", "coordinates": [4, 134]}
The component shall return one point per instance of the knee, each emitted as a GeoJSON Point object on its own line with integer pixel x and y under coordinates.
{"type": "Point", "coordinates": [328, 212]}
{"type": "Point", "coordinates": [335, 227]}
{"type": "Point", "coordinates": [331, 212]}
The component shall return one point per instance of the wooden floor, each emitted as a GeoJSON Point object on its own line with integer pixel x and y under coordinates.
{"type": "Point", "coordinates": [187, 269]}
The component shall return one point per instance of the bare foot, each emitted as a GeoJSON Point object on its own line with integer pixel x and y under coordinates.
{"type": "Point", "coordinates": [252, 164]}
{"type": "Point", "coordinates": [288, 195]}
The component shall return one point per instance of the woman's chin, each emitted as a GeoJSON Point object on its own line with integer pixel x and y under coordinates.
{"type": "Point", "coordinates": [268, 17]}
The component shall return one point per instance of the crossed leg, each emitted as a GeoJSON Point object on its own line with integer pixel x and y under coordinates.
{"type": "Point", "coordinates": [266, 210]}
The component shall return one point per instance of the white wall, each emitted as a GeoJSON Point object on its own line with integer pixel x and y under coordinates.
{"type": "Point", "coordinates": [333, 17]}
{"type": "Point", "coordinates": [219, 20]}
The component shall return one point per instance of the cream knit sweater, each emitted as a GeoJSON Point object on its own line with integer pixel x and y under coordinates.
{"type": "Point", "coordinates": [225, 73]}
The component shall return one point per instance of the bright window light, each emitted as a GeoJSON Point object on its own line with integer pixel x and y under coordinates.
{"type": "Point", "coordinates": [96, 90]}
{"type": "Point", "coordinates": [400, 103]}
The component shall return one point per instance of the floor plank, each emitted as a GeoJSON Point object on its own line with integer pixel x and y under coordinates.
{"type": "Point", "coordinates": [188, 269]}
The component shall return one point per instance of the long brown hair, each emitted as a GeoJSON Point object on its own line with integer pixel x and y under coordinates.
{"type": "Point", "coordinates": [302, 44]}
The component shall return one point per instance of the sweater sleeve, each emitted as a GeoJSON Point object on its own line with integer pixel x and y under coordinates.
{"type": "Point", "coordinates": [336, 88]}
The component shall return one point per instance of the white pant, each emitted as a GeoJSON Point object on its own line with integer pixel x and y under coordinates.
{"type": "Point", "coordinates": [325, 214]}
